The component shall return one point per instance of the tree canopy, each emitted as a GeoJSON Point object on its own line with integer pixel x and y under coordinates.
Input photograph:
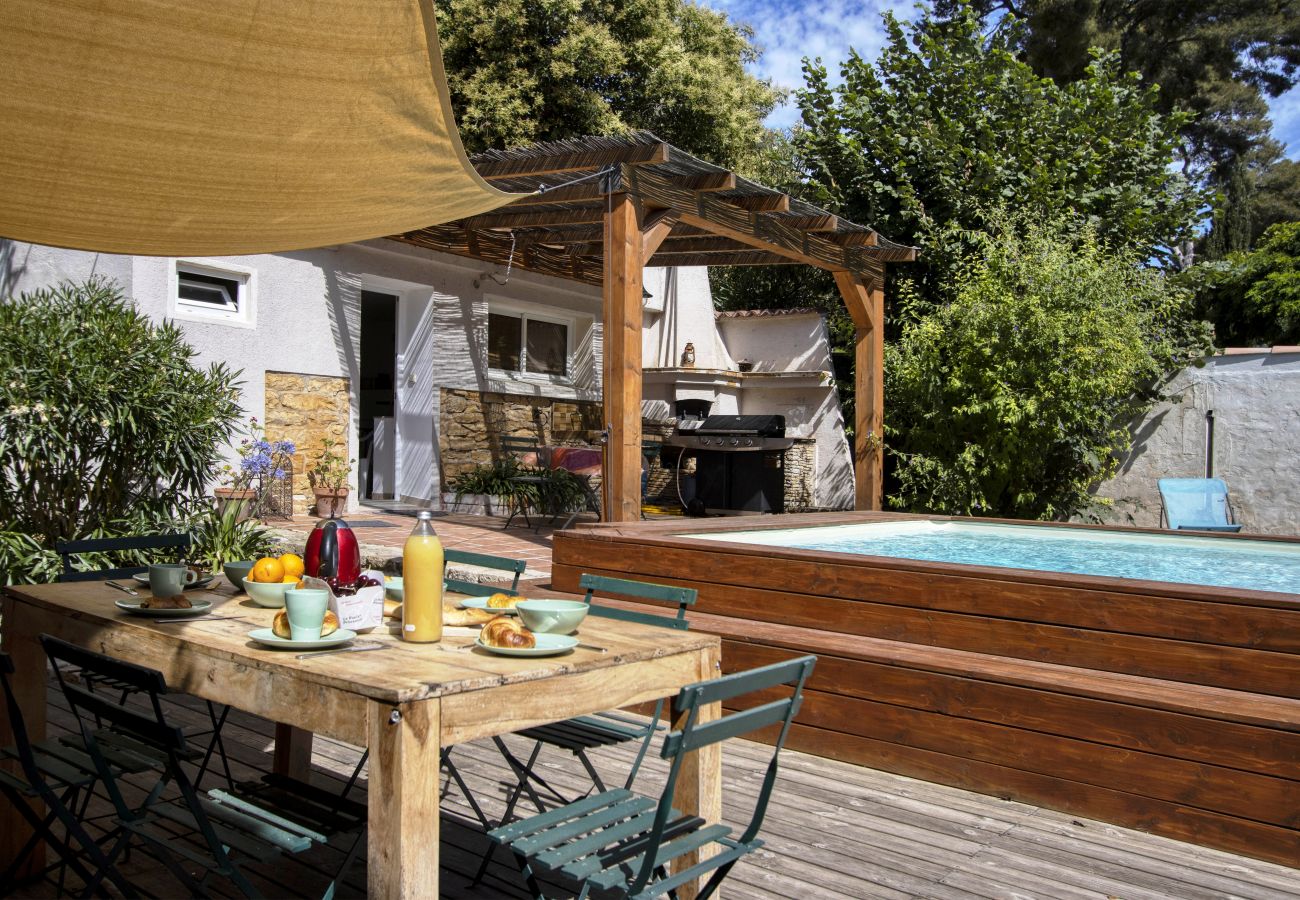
{"type": "Point", "coordinates": [522, 71]}
{"type": "Point", "coordinates": [946, 128]}
{"type": "Point", "coordinates": [1253, 297]}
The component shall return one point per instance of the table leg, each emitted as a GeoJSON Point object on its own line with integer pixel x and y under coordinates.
{"type": "Point", "coordinates": [699, 788]}
{"type": "Point", "coordinates": [292, 752]}
{"type": "Point", "coordinates": [29, 688]}
{"type": "Point", "coordinates": [403, 789]}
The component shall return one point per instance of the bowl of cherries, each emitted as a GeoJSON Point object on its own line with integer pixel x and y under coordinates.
{"type": "Point", "coordinates": [348, 588]}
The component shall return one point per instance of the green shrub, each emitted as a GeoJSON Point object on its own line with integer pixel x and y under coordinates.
{"type": "Point", "coordinates": [1015, 398]}
{"type": "Point", "coordinates": [108, 426]}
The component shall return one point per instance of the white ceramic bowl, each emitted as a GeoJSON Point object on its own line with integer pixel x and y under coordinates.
{"type": "Point", "coordinates": [270, 594]}
{"type": "Point", "coordinates": [552, 616]}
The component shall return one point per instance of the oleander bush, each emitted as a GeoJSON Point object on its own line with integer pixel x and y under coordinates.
{"type": "Point", "coordinates": [107, 424]}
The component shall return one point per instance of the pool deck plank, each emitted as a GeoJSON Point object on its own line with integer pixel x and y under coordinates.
{"type": "Point", "coordinates": [834, 830]}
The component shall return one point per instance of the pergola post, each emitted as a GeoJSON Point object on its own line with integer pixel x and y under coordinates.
{"type": "Point", "coordinates": [866, 304]}
{"type": "Point", "coordinates": [621, 386]}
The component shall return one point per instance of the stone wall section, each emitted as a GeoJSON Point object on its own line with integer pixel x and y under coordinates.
{"type": "Point", "coordinates": [306, 409]}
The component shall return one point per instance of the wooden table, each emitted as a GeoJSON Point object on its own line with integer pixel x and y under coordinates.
{"type": "Point", "coordinates": [403, 702]}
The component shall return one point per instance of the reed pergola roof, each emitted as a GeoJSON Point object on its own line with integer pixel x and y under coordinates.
{"type": "Point", "coordinates": [712, 216]}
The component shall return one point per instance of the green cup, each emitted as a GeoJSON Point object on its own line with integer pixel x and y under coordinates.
{"type": "Point", "coordinates": [306, 608]}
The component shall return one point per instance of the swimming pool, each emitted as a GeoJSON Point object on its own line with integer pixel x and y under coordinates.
{"type": "Point", "coordinates": [1174, 558]}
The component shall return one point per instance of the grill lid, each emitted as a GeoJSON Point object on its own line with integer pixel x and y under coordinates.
{"type": "Point", "coordinates": [761, 426]}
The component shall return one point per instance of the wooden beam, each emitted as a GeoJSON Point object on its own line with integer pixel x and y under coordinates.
{"type": "Point", "coordinates": [577, 161]}
{"type": "Point", "coordinates": [824, 222]}
{"type": "Point", "coordinates": [715, 181]}
{"type": "Point", "coordinates": [856, 238]}
{"type": "Point", "coordinates": [761, 202]}
{"type": "Point", "coordinates": [764, 233]}
{"type": "Point", "coordinates": [656, 226]}
{"type": "Point", "coordinates": [866, 304]}
{"type": "Point", "coordinates": [536, 218]}
{"type": "Point", "coordinates": [622, 362]}
{"type": "Point", "coordinates": [492, 247]}
{"type": "Point", "coordinates": [734, 258]}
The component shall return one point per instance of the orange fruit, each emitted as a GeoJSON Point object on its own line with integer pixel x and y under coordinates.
{"type": "Point", "coordinates": [267, 570]}
{"type": "Point", "coordinates": [290, 579]}
{"type": "Point", "coordinates": [292, 563]}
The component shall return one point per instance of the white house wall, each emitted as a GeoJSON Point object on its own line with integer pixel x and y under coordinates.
{"type": "Point", "coordinates": [680, 311]}
{"type": "Point", "coordinates": [307, 318]}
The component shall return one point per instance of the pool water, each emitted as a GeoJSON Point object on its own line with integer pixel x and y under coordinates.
{"type": "Point", "coordinates": [1176, 558]}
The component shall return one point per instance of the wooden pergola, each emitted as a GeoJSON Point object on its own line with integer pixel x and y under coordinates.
{"type": "Point", "coordinates": [630, 201]}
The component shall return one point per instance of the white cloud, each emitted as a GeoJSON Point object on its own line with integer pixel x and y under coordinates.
{"type": "Point", "coordinates": [787, 31]}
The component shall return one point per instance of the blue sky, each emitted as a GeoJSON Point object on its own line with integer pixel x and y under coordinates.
{"type": "Point", "coordinates": [789, 30]}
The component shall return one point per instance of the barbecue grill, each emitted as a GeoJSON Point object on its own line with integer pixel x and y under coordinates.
{"type": "Point", "coordinates": [740, 460]}
{"type": "Point", "coordinates": [731, 433]}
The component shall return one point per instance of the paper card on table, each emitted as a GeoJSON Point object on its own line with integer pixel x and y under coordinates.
{"type": "Point", "coordinates": [361, 611]}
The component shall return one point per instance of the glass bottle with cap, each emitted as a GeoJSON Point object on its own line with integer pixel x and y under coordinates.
{"type": "Point", "coordinates": [422, 573]}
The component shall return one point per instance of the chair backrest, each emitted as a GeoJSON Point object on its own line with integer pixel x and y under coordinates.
{"type": "Point", "coordinates": [514, 567]}
{"type": "Point", "coordinates": [69, 549]}
{"type": "Point", "coordinates": [638, 590]}
{"type": "Point", "coordinates": [1195, 502]}
{"type": "Point", "coordinates": [524, 449]}
{"type": "Point", "coordinates": [755, 712]}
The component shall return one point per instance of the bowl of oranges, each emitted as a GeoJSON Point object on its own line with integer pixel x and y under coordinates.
{"type": "Point", "coordinates": [271, 576]}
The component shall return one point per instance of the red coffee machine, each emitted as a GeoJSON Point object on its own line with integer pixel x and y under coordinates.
{"type": "Point", "coordinates": [332, 552]}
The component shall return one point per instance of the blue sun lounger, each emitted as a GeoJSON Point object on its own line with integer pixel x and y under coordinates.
{"type": "Point", "coordinates": [1196, 504]}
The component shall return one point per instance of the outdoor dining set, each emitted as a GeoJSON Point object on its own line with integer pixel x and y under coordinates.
{"type": "Point", "coordinates": [172, 796]}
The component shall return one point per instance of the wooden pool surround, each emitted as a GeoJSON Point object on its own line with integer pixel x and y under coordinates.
{"type": "Point", "coordinates": [1170, 708]}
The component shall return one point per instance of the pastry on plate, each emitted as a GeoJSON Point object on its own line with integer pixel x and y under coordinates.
{"type": "Point", "coordinates": [506, 631]}
{"type": "Point", "coordinates": [503, 601]}
{"type": "Point", "coordinates": [280, 625]}
{"type": "Point", "coordinates": [177, 602]}
{"type": "Point", "coordinates": [453, 616]}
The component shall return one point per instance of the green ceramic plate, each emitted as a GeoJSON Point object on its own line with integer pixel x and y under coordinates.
{"type": "Point", "coordinates": [547, 645]}
{"type": "Point", "coordinates": [197, 608]}
{"type": "Point", "coordinates": [270, 639]}
{"type": "Point", "coordinates": [481, 603]}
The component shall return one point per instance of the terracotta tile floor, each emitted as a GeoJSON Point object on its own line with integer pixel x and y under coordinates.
{"type": "Point", "coordinates": [377, 530]}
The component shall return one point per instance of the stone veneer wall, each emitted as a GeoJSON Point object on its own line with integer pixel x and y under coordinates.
{"type": "Point", "coordinates": [306, 409]}
{"type": "Point", "coordinates": [800, 470]}
{"type": "Point", "coordinates": [472, 422]}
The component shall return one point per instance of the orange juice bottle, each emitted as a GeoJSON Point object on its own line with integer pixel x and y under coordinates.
{"type": "Point", "coordinates": [422, 583]}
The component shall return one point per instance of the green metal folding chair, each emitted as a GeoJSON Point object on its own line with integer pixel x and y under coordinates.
{"type": "Point", "coordinates": [622, 843]}
{"type": "Point", "coordinates": [55, 774]}
{"type": "Point", "coordinates": [114, 546]}
{"type": "Point", "coordinates": [582, 734]}
{"type": "Point", "coordinates": [256, 822]}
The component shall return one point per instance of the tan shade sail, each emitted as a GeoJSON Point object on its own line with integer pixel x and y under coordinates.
{"type": "Point", "coordinates": [220, 127]}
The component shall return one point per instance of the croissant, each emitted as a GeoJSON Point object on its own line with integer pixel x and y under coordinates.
{"type": "Point", "coordinates": [505, 631]}
{"type": "Point", "coordinates": [280, 625]}
{"type": "Point", "coordinates": [465, 617]}
{"type": "Point", "coordinates": [503, 601]}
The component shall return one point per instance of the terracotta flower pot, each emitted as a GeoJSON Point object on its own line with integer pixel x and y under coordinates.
{"type": "Point", "coordinates": [241, 500]}
{"type": "Point", "coordinates": [330, 503]}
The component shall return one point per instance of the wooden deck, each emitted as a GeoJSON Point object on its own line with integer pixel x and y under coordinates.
{"type": "Point", "coordinates": [834, 830]}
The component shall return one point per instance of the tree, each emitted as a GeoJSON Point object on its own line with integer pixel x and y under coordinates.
{"type": "Point", "coordinates": [1014, 399]}
{"type": "Point", "coordinates": [1253, 298]}
{"type": "Point", "coordinates": [106, 424]}
{"type": "Point", "coordinates": [522, 71]}
{"type": "Point", "coordinates": [1217, 59]}
{"type": "Point", "coordinates": [947, 128]}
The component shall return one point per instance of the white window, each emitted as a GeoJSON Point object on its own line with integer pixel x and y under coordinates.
{"type": "Point", "coordinates": [206, 293]}
{"type": "Point", "coordinates": [526, 343]}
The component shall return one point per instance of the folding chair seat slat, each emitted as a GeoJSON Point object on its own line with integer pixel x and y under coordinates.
{"type": "Point", "coordinates": [230, 833]}
{"type": "Point", "coordinates": [53, 767]}
{"type": "Point", "coordinates": [593, 836]}
{"type": "Point", "coordinates": [726, 858]}
{"type": "Point", "coordinates": [598, 818]}
{"type": "Point", "coordinates": [664, 853]}
{"type": "Point", "coordinates": [515, 830]}
{"type": "Point", "coordinates": [576, 734]}
{"type": "Point", "coordinates": [256, 819]}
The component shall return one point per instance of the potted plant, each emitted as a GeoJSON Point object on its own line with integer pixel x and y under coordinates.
{"type": "Point", "coordinates": [260, 461]}
{"type": "Point", "coordinates": [329, 480]}
{"type": "Point", "coordinates": [492, 486]}
{"type": "Point", "coordinates": [219, 536]}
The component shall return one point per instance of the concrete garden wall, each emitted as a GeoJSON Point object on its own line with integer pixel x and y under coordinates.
{"type": "Point", "coordinates": [1255, 400]}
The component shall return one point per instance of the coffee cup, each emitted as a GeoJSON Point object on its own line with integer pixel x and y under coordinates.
{"type": "Point", "coordinates": [170, 579]}
{"type": "Point", "coordinates": [305, 609]}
